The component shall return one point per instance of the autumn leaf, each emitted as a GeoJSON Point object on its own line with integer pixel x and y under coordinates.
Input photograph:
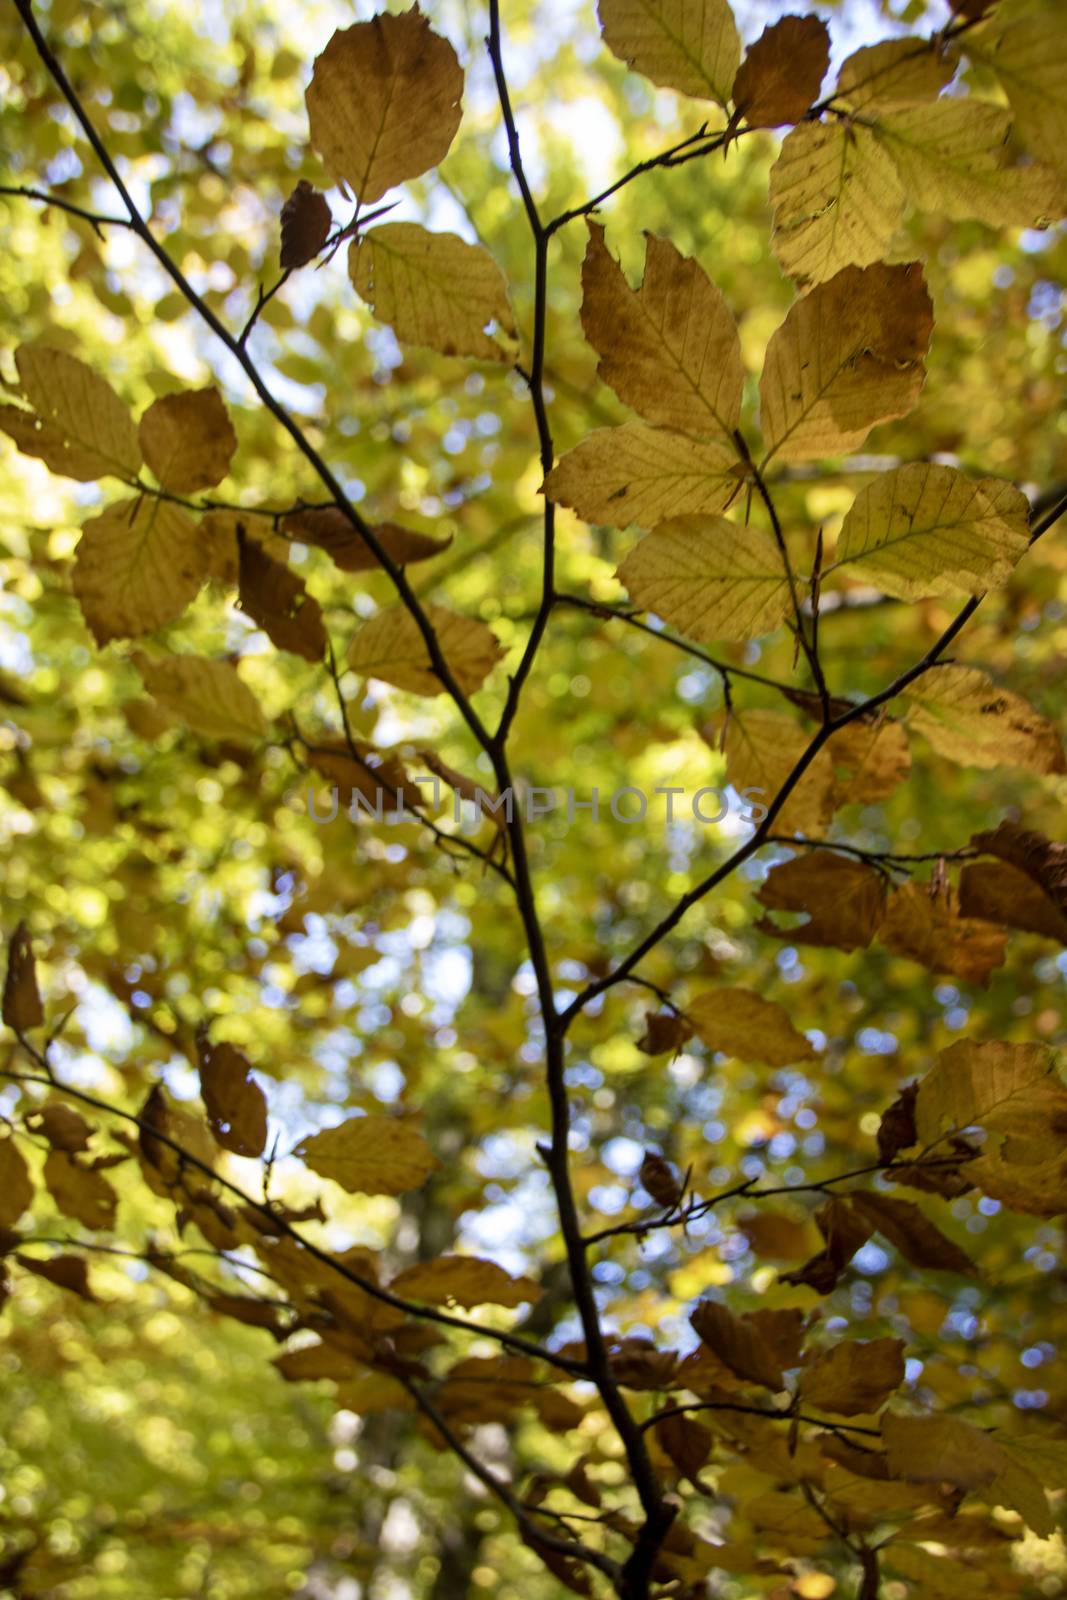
{"type": "Point", "coordinates": [79, 1191]}
{"type": "Point", "coordinates": [762, 748]}
{"type": "Point", "coordinates": [236, 1105]}
{"type": "Point", "coordinates": [686, 1441]}
{"type": "Point", "coordinates": [911, 1232]}
{"type": "Point", "coordinates": [925, 529]}
{"type": "Point", "coordinates": [895, 72]}
{"type": "Point", "coordinates": [391, 647]}
{"type": "Point", "coordinates": [854, 1377]}
{"type": "Point", "coordinates": [370, 1155]}
{"type": "Point", "coordinates": [278, 602]}
{"type": "Point", "coordinates": [848, 355]}
{"type": "Point", "coordinates": [434, 289]}
{"type": "Point", "coordinates": [384, 102]}
{"type": "Point", "coordinates": [737, 1344]}
{"type": "Point", "coordinates": [967, 718]}
{"type": "Point", "coordinates": [64, 1271]}
{"type": "Point", "coordinates": [78, 425]}
{"type": "Point", "coordinates": [206, 695]}
{"type": "Point", "coordinates": [688, 45]}
{"type": "Point", "coordinates": [1044, 862]}
{"type": "Point", "coordinates": [305, 225]}
{"type": "Point", "coordinates": [837, 200]}
{"type": "Point", "coordinates": [16, 1186]}
{"type": "Point", "coordinates": [780, 76]}
{"type": "Point", "coordinates": [22, 1007]}
{"type": "Point", "coordinates": [670, 348]}
{"type": "Point", "coordinates": [188, 440]}
{"type": "Point", "coordinates": [463, 1281]}
{"type": "Point", "coordinates": [929, 928]}
{"type": "Point", "coordinates": [1028, 54]}
{"type": "Point", "coordinates": [709, 578]}
{"type": "Point", "coordinates": [844, 900]}
{"type": "Point", "coordinates": [137, 567]}
{"type": "Point", "coordinates": [329, 529]}
{"type": "Point", "coordinates": [645, 475]}
{"type": "Point", "coordinates": [743, 1024]}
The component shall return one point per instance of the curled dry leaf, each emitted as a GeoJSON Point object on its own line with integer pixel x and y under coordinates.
{"type": "Point", "coordinates": [328, 529]}
{"type": "Point", "coordinates": [305, 225]}
{"type": "Point", "coordinates": [660, 1180]}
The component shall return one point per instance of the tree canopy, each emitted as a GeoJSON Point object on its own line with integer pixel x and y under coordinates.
{"type": "Point", "coordinates": [531, 774]}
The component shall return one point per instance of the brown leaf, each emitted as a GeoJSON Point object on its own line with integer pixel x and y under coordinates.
{"type": "Point", "coordinates": [22, 1007]}
{"type": "Point", "coordinates": [844, 900]}
{"type": "Point", "coordinates": [61, 1125]}
{"type": "Point", "coordinates": [737, 1344]}
{"type": "Point", "coordinates": [236, 1105]}
{"type": "Point", "coordinates": [664, 1031]}
{"type": "Point", "coordinates": [16, 1186]}
{"type": "Point", "coordinates": [658, 1178]}
{"type": "Point", "coordinates": [188, 440]}
{"type": "Point", "coordinates": [306, 223]}
{"type": "Point", "coordinates": [853, 1377]}
{"type": "Point", "coordinates": [780, 76]}
{"type": "Point", "coordinates": [845, 1232]}
{"type": "Point", "coordinates": [80, 1192]}
{"type": "Point", "coordinates": [278, 602]}
{"type": "Point", "coordinates": [912, 1232]}
{"type": "Point", "coordinates": [927, 927]}
{"type": "Point", "coordinates": [897, 1130]}
{"type": "Point", "coordinates": [1041, 859]}
{"type": "Point", "coordinates": [686, 1441]}
{"type": "Point", "coordinates": [775, 1236]}
{"type": "Point", "coordinates": [66, 1272]}
{"type": "Point", "coordinates": [376, 776]}
{"type": "Point", "coordinates": [327, 528]}
{"type": "Point", "coordinates": [993, 891]}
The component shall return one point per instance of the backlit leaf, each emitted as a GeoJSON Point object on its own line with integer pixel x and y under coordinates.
{"type": "Point", "coordinates": [434, 289]}
{"type": "Point", "coordinates": [370, 1155]}
{"type": "Point", "coordinates": [137, 566]}
{"type": "Point", "coordinates": [391, 647]}
{"type": "Point", "coordinates": [236, 1105]}
{"type": "Point", "coordinates": [709, 578]}
{"type": "Point", "coordinates": [670, 348]}
{"type": "Point", "coordinates": [464, 1281]}
{"type": "Point", "coordinates": [384, 102]}
{"type": "Point", "coordinates": [743, 1024]}
{"type": "Point", "coordinates": [688, 45]}
{"type": "Point", "coordinates": [854, 1377]}
{"type": "Point", "coordinates": [78, 426]}
{"type": "Point", "coordinates": [780, 76]}
{"type": "Point", "coordinates": [966, 717]}
{"type": "Point", "coordinates": [208, 696]}
{"type": "Point", "coordinates": [188, 440]}
{"type": "Point", "coordinates": [646, 475]}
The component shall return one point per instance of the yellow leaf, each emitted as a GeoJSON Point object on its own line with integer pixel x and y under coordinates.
{"type": "Point", "coordinates": [80, 1192]}
{"type": "Point", "coordinates": [78, 427]}
{"type": "Point", "coordinates": [188, 440]}
{"type": "Point", "coordinates": [837, 200]}
{"type": "Point", "coordinates": [844, 900]}
{"type": "Point", "coordinates": [994, 1085]}
{"type": "Point", "coordinates": [137, 566]}
{"type": "Point", "coordinates": [950, 157]}
{"type": "Point", "coordinates": [848, 355]}
{"type": "Point", "coordinates": [938, 1577]}
{"type": "Point", "coordinates": [966, 717]}
{"type": "Point", "coordinates": [744, 1025]}
{"type": "Point", "coordinates": [870, 760]}
{"type": "Point", "coordinates": [1029, 56]}
{"type": "Point", "coordinates": [206, 695]}
{"type": "Point", "coordinates": [939, 1449]}
{"type": "Point", "coordinates": [670, 348]}
{"type": "Point", "coordinates": [762, 748]}
{"type": "Point", "coordinates": [688, 45]}
{"type": "Point", "coordinates": [709, 578]}
{"type": "Point", "coordinates": [391, 647]}
{"type": "Point", "coordinates": [780, 76]}
{"type": "Point", "coordinates": [236, 1105]}
{"type": "Point", "coordinates": [641, 474]}
{"type": "Point", "coordinates": [925, 529]}
{"type": "Point", "coordinates": [895, 72]}
{"type": "Point", "coordinates": [370, 1155]}
{"type": "Point", "coordinates": [465, 1281]}
{"type": "Point", "coordinates": [16, 1188]}
{"type": "Point", "coordinates": [434, 289]}
{"type": "Point", "coordinates": [854, 1377]}
{"type": "Point", "coordinates": [384, 102]}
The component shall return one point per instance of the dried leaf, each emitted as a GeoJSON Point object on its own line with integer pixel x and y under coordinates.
{"type": "Point", "coordinates": [854, 1377]}
{"type": "Point", "coordinates": [236, 1105]}
{"type": "Point", "coordinates": [384, 102]}
{"type": "Point", "coordinates": [22, 1008]}
{"type": "Point", "coordinates": [188, 440]}
{"type": "Point", "coordinates": [780, 76]}
{"type": "Point", "coordinates": [305, 225]}
{"type": "Point", "coordinates": [278, 602]}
